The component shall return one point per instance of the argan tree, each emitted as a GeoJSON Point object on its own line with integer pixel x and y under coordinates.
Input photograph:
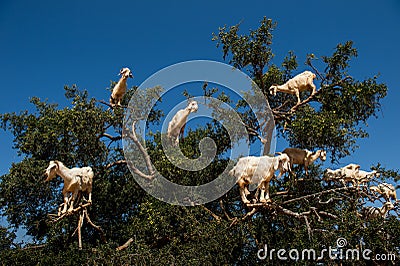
{"type": "Point", "coordinates": [306, 212]}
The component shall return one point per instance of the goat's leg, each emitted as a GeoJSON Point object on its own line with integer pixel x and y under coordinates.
{"type": "Point", "coordinates": [73, 198]}
{"type": "Point", "coordinates": [313, 88]}
{"type": "Point", "coordinates": [242, 187]}
{"type": "Point", "coordinates": [264, 197]}
{"type": "Point", "coordinates": [90, 197]}
{"type": "Point", "coordinates": [65, 202]}
{"type": "Point", "coordinates": [182, 131]}
{"type": "Point", "coordinates": [306, 169]}
{"type": "Point", "coordinates": [298, 96]}
{"type": "Point", "coordinates": [267, 191]}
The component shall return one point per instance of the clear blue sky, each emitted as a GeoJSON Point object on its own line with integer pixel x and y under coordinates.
{"type": "Point", "coordinates": [45, 45]}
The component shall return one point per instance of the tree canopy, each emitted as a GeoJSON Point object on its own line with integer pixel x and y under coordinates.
{"type": "Point", "coordinates": [309, 213]}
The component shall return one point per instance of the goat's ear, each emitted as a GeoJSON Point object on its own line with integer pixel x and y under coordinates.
{"type": "Point", "coordinates": [277, 161]}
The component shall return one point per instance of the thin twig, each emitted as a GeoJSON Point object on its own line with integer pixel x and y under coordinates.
{"type": "Point", "coordinates": [216, 217]}
{"type": "Point", "coordinates": [119, 162]}
{"type": "Point", "coordinates": [124, 246]}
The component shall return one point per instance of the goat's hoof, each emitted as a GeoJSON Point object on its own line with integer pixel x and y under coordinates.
{"type": "Point", "coordinates": [265, 200]}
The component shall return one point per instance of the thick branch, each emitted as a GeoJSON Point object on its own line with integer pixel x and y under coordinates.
{"type": "Point", "coordinates": [146, 156]}
{"type": "Point", "coordinates": [66, 214]}
{"type": "Point", "coordinates": [110, 137]}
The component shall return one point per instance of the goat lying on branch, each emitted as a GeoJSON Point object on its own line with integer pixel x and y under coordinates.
{"type": "Point", "coordinates": [120, 88]}
{"type": "Point", "coordinates": [297, 84]}
{"type": "Point", "coordinates": [75, 180]}
{"type": "Point", "coordinates": [258, 170]}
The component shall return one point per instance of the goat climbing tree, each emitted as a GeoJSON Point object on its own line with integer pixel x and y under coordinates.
{"type": "Point", "coordinates": [307, 213]}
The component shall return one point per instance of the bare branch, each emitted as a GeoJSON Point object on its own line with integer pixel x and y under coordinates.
{"type": "Point", "coordinates": [216, 217]}
{"type": "Point", "coordinates": [110, 137]}
{"type": "Point", "coordinates": [98, 228]}
{"type": "Point", "coordinates": [221, 204]}
{"type": "Point", "coordinates": [119, 162]}
{"type": "Point", "coordinates": [124, 246]}
{"type": "Point", "coordinates": [132, 135]}
{"type": "Point", "coordinates": [319, 193]}
{"type": "Point", "coordinates": [66, 214]}
{"type": "Point", "coordinates": [247, 215]}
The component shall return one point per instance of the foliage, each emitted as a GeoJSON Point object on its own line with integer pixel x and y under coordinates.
{"type": "Point", "coordinates": [220, 232]}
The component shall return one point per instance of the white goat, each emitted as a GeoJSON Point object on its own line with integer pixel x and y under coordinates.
{"type": "Point", "coordinates": [388, 191]}
{"type": "Point", "coordinates": [370, 212]}
{"type": "Point", "coordinates": [297, 84]}
{"type": "Point", "coordinates": [348, 173]}
{"type": "Point", "coordinates": [177, 125]}
{"type": "Point", "coordinates": [364, 177]}
{"type": "Point", "coordinates": [120, 88]}
{"type": "Point", "coordinates": [304, 157]}
{"type": "Point", "coordinates": [258, 170]}
{"type": "Point", "coordinates": [75, 180]}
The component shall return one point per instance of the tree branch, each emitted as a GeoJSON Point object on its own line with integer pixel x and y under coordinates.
{"type": "Point", "coordinates": [119, 162]}
{"type": "Point", "coordinates": [110, 137]}
{"type": "Point", "coordinates": [124, 246]}
{"type": "Point", "coordinates": [216, 217]}
{"type": "Point", "coordinates": [132, 135]}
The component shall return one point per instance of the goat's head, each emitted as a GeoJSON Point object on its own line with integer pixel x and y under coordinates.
{"type": "Point", "coordinates": [51, 170]}
{"type": "Point", "coordinates": [283, 163]}
{"type": "Point", "coordinates": [374, 189]}
{"type": "Point", "coordinates": [126, 72]}
{"type": "Point", "coordinates": [192, 106]}
{"type": "Point", "coordinates": [322, 155]}
{"type": "Point", "coordinates": [388, 206]}
{"type": "Point", "coordinates": [273, 89]}
{"type": "Point", "coordinates": [352, 166]}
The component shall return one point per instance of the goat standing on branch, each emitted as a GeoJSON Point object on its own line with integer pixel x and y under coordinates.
{"type": "Point", "coordinates": [176, 126]}
{"type": "Point", "coordinates": [75, 180]}
{"type": "Point", "coordinates": [303, 157]}
{"type": "Point", "coordinates": [297, 84]}
{"type": "Point", "coordinates": [370, 212]}
{"type": "Point", "coordinates": [348, 173]}
{"type": "Point", "coordinates": [388, 191]}
{"type": "Point", "coordinates": [120, 88]}
{"type": "Point", "coordinates": [258, 170]}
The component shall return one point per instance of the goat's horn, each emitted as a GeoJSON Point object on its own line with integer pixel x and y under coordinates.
{"type": "Point", "coordinates": [278, 152]}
